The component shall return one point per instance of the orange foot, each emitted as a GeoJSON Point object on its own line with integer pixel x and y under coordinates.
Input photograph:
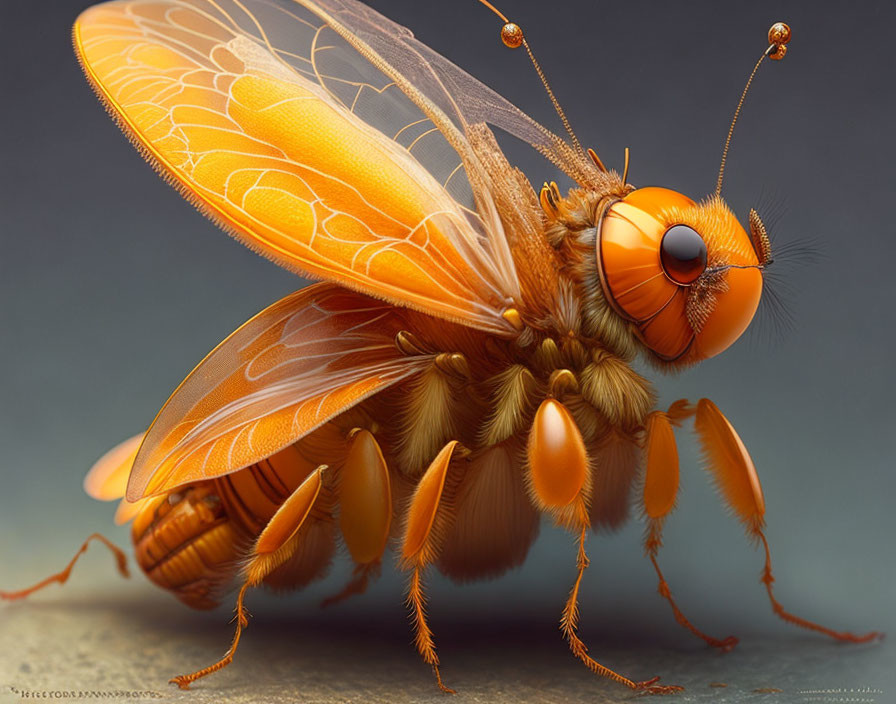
{"type": "Point", "coordinates": [650, 687]}
{"type": "Point", "coordinates": [726, 645]}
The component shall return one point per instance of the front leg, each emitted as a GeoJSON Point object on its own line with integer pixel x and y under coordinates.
{"type": "Point", "coordinates": [733, 472]}
{"type": "Point", "coordinates": [660, 494]}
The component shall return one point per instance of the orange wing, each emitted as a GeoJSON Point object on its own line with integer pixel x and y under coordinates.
{"type": "Point", "coordinates": [284, 373]}
{"type": "Point", "coordinates": [107, 480]}
{"type": "Point", "coordinates": [306, 144]}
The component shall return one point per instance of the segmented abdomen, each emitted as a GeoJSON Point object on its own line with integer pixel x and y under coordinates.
{"type": "Point", "coordinates": [186, 543]}
{"type": "Point", "coordinates": [191, 541]}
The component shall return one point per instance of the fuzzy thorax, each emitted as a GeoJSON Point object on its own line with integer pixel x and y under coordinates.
{"type": "Point", "coordinates": [572, 229]}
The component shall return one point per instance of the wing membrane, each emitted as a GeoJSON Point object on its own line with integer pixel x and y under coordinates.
{"type": "Point", "coordinates": [294, 366]}
{"type": "Point", "coordinates": [107, 479]}
{"type": "Point", "coordinates": [430, 77]}
{"type": "Point", "coordinates": [289, 128]}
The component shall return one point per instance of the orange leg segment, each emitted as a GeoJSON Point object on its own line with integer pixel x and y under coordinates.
{"type": "Point", "coordinates": [275, 545]}
{"type": "Point", "coordinates": [242, 620]}
{"type": "Point", "coordinates": [121, 562]}
{"type": "Point", "coordinates": [427, 517]}
{"type": "Point", "coordinates": [768, 578]}
{"type": "Point", "coordinates": [660, 494]}
{"type": "Point", "coordinates": [365, 511]}
{"type": "Point", "coordinates": [569, 621]}
{"type": "Point", "coordinates": [423, 634]}
{"type": "Point", "coordinates": [558, 484]}
{"type": "Point", "coordinates": [734, 474]}
{"type": "Point", "coordinates": [724, 645]}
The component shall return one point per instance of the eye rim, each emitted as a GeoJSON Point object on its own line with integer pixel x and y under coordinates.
{"type": "Point", "coordinates": [678, 269]}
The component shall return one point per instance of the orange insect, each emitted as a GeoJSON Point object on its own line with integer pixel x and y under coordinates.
{"type": "Point", "coordinates": [466, 366]}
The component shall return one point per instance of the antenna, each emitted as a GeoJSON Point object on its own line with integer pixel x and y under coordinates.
{"type": "Point", "coordinates": [778, 36]}
{"type": "Point", "coordinates": [625, 168]}
{"type": "Point", "coordinates": [513, 37]}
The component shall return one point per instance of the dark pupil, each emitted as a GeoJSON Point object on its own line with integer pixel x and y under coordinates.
{"type": "Point", "coordinates": [683, 253]}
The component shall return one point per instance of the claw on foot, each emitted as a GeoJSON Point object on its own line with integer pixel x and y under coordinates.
{"type": "Point", "coordinates": [445, 688]}
{"type": "Point", "coordinates": [650, 687]}
{"type": "Point", "coordinates": [181, 681]}
{"type": "Point", "coordinates": [726, 645]}
{"type": "Point", "coordinates": [868, 637]}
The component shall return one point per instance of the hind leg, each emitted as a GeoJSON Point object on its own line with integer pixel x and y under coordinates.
{"type": "Point", "coordinates": [276, 544]}
{"type": "Point", "coordinates": [106, 480]}
{"type": "Point", "coordinates": [121, 562]}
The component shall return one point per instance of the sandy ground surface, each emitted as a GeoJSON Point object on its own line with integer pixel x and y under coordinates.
{"type": "Point", "coordinates": [123, 642]}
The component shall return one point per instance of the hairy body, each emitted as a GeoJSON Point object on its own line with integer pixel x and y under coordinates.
{"type": "Point", "coordinates": [478, 390]}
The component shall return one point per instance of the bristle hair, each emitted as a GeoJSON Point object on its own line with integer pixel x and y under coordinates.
{"type": "Point", "coordinates": [514, 391]}
{"type": "Point", "coordinates": [428, 420]}
{"type": "Point", "coordinates": [722, 459]}
{"type": "Point", "coordinates": [615, 461]}
{"type": "Point", "coordinates": [622, 395]}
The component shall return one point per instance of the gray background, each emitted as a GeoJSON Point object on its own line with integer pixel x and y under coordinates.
{"type": "Point", "coordinates": [112, 287]}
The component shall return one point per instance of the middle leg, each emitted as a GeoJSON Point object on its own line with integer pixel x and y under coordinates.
{"type": "Point", "coordinates": [364, 493]}
{"type": "Point", "coordinates": [558, 476]}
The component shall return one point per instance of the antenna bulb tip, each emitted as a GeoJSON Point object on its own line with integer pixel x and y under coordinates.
{"type": "Point", "coordinates": [778, 35]}
{"type": "Point", "coordinates": [512, 35]}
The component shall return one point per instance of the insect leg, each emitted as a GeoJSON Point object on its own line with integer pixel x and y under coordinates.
{"type": "Point", "coordinates": [365, 510]}
{"type": "Point", "coordinates": [735, 476]}
{"type": "Point", "coordinates": [362, 575]}
{"type": "Point", "coordinates": [106, 480]}
{"type": "Point", "coordinates": [660, 493]}
{"type": "Point", "coordinates": [120, 559]}
{"type": "Point", "coordinates": [427, 518]}
{"type": "Point", "coordinates": [275, 545]}
{"type": "Point", "coordinates": [559, 483]}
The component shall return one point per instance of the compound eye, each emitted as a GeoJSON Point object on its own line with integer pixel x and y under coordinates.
{"type": "Point", "coordinates": [683, 254]}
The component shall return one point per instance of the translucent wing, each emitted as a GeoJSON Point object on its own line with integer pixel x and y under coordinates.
{"type": "Point", "coordinates": [284, 373]}
{"type": "Point", "coordinates": [107, 479]}
{"type": "Point", "coordinates": [323, 136]}
{"type": "Point", "coordinates": [430, 77]}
